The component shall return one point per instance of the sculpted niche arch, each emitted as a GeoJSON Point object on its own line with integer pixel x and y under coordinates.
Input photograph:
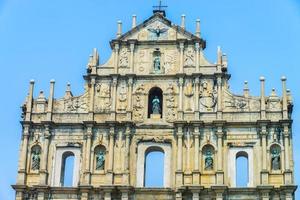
{"type": "Point", "coordinates": [155, 103]}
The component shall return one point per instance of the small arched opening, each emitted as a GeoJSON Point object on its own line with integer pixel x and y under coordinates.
{"type": "Point", "coordinates": [154, 167]}
{"type": "Point", "coordinates": [67, 169]}
{"type": "Point", "coordinates": [155, 103]}
{"type": "Point", "coordinates": [242, 169]}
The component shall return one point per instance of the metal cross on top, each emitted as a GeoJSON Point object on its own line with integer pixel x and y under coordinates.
{"type": "Point", "coordinates": [160, 8]}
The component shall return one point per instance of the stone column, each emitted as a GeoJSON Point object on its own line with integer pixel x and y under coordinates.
{"type": "Point", "coordinates": [132, 56]}
{"type": "Point", "coordinates": [262, 99]}
{"type": "Point", "coordinates": [107, 195]}
{"type": "Point", "coordinates": [124, 196]}
{"type": "Point", "coordinates": [116, 57]}
{"type": "Point", "coordinates": [45, 152]}
{"type": "Point", "coordinates": [220, 171]}
{"type": "Point", "coordinates": [264, 172]}
{"type": "Point", "coordinates": [19, 195]}
{"type": "Point", "coordinates": [29, 101]}
{"type": "Point", "coordinates": [197, 48]}
{"type": "Point", "coordinates": [87, 173]}
{"type": "Point", "coordinates": [288, 179]}
{"type": "Point", "coordinates": [178, 196]}
{"type": "Point", "coordinates": [196, 196]}
{"type": "Point", "coordinates": [284, 99]}
{"type": "Point", "coordinates": [181, 47]}
{"type": "Point", "coordinates": [197, 85]}
{"type": "Point", "coordinates": [180, 110]}
{"type": "Point", "coordinates": [127, 154]}
{"type": "Point", "coordinates": [129, 97]}
{"type": "Point", "coordinates": [50, 101]}
{"type": "Point", "coordinates": [23, 155]}
{"type": "Point", "coordinates": [114, 97]}
{"type": "Point", "coordinates": [219, 113]}
{"type": "Point", "coordinates": [111, 153]}
{"type": "Point", "coordinates": [179, 156]}
{"type": "Point", "coordinates": [196, 172]}
{"type": "Point", "coordinates": [92, 99]}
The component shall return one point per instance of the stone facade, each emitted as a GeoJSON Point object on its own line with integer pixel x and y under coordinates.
{"type": "Point", "coordinates": [156, 92]}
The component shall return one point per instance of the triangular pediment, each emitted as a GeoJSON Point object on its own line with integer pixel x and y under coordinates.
{"type": "Point", "coordinates": [157, 28]}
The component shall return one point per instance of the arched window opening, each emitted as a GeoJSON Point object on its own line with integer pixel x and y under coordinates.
{"type": "Point", "coordinates": [67, 169]}
{"type": "Point", "coordinates": [242, 169]}
{"type": "Point", "coordinates": [275, 152]}
{"type": "Point", "coordinates": [35, 158]}
{"type": "Point", "coordinates": [99, 158]}
{"type": "Point", "coordinates": [155, 101]}
{"type": "Point", "coordinates": [154, 168]}
{"type": "Point", "coordinates": [208, 157]}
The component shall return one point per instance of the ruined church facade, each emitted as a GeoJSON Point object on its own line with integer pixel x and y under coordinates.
{"type": "Point", "coordinates": [156, 93]}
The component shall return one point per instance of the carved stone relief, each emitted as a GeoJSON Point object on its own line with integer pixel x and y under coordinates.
{"type": "Point", "coordinates": [138, 106]}
{"type": "Point", "coordinates": [122, 105]}
{"type": "Point", "coordinates": [273, 103]}
{"type": "Point", "coordinates": [171, 103]}
{"type": "Point", "coordinates": [124, 61]}
{"type": "Point", "coordinates": [208, 96]}
{"type": "Point", "coordinates": [189, 57]}
{"type": "Point", "coordinates": [142, 60]}
{"type": "Point", "coordinates": [234, 103]}
{"type": "Point", "coordinates": [170, 61]}
{"type": "Point", "coordinates": [189, 93]}
{"type": "Point", "coordinates": [157, 31]}
{"type": "Point", "coordinates": [74, 104]}
{"type": "Point", "coordinates": [102, 98]}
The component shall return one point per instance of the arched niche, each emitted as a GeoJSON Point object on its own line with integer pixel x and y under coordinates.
{"type": "Point", "coordinates": [276, 161]}
{"type": "Point", "coordinates": [208, 158]}
{"type": "Point", "coordinates": [99, 158]}
{"type": "Point", "coordinates": [60, 156]}
{"type": "Point", "coordinates": [155, 103]}
{"type": "Point", "coordinates": [144, 148]}
{"type": "Point", "coordinates": [235, 152]}
{"type": "Point", "coordinates": [35, 158]}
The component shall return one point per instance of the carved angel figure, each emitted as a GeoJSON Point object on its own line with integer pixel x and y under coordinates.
{"type": "Point", "coordinates": [157, 31]}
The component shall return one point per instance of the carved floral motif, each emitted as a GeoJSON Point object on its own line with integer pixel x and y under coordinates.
{"type": "Point", "coordinates": [102, 98]}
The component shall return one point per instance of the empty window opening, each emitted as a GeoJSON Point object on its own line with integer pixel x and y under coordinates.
{"type": "Point", "coordinates": [67, 169]}
{"type": "Point", "coordinates": [155, 102]}
{"type": "Point", "coordinates": [154, 168]}
{"type": "Point", "coordinates": [242, 169]}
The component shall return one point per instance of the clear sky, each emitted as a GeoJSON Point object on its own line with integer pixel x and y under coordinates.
{"type": "Point", "coordinates": [53, 39]}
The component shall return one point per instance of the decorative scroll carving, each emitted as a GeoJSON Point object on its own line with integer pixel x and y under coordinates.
{"type": "Point", "coordinates": [102, 100]}
{"type": "Point", "coordinates": [189, 93]}
{"type": "Point", "coordinates": [138, 107]}
{"type": "Point", "coordinates": [122, 98]}
{"type": "Point", "coordinates": [171, 103]}
{"type": "Point", "coordinates": [124, 61]}
{"type": "Point", "coordinates": [208, 96]}
{"type": "Point", "coordinates": [189, 57]}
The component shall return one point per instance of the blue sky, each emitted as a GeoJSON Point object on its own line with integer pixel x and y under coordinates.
{"type": "Point", "coordinates": [53, 39]}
